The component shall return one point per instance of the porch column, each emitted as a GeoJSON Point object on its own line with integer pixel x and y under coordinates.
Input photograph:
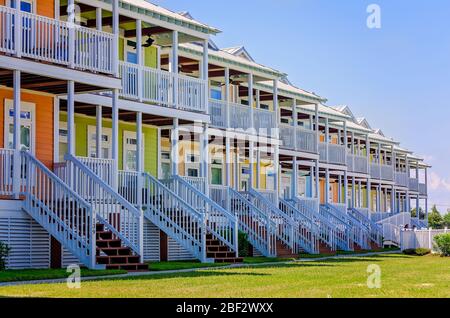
{"type": "Point", "coordinates": [368, 154]}
{"type": "Point", "coordinates": [295, 122]}
{"type": "Point", "coordinates": [327, 137]}
{"type": "Point", "coordinates": [71, 33]}
{"type": "Point", "coordinates": [346, 189]}
{"type": "Point", "coordinates": [393, 199]}
{"type": "Point", "coordinates": [360, 203]}
{"type": "Point", "coordinates": [277, 149]}
{"type": "Point", "coordinates": [16, 132]}
{"type": "Point", "coordinates": [237, 170]}
{"type": "Point", "coordinates": [327, 186]}
{"type": "Point", "coordinates": [205, 161]}
{"type": "Point", "coordinates": [98, 131]}
{"type": "Point", "coordinates": [139, 155]}
{"type": "Point", "coordinates": [317, 128]}
{"type": "Point", "coordinates": [140, 86]}
{"type": "Point", "coordinates": [417, 206]}
{"type": "Point", "coordinates": [98, 19]}
{"type": "Point", "coordinates": [227, 162]}
{"type": "Point", "coordinates": [258, 99]}
{"type": "Point", "coordinates": [294, 178]}
{"type": "Point", "coordinates": [115, 29]}
{"type": "Point", "coordinates": [173, 67]}
{"type": "Point", "coordinates": [311, 183]}
{"type": "Point", "coordinates": [140, 170]}
{"type": "Point", "coordinates": [250, 104]}
{"type": "Point", "coordinates": [56, 8]}
{"type": "Point", "coordinates": [353, 192]}
{"type": "Point", "coordinates": [174, 137]}
{"type": "Point", "coordinates": [205, 74]}
{"type": "Point", "coordinates": [426, 194]}
{"type": "Point", "coordinates": [258, 168]}
{"type": "Point", "coordinates": [251, 163]}
{"type": "Point", "coordinates": [345, 143]}
{"type": "Point", "coordinates": [339, 194]}
{"type": "Point", "coordinates": [71, 118]}
{"type": "Point", "coordinates": [408, 203]}
{"type": "Point", "coordinates": [368, 195]}
{"type": "Point", "coordinates": [115, 138]}
{"type": "Point", "coordinates": [317, 180]}
{"type": "Point", "coordinates": [227, 97]}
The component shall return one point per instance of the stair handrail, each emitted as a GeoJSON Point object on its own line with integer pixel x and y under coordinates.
{"type": "Point", "coordinates": [267, 244]}
{"type": "Point", "coordinates": [170, 206]}
{"type": "Point", "coordinates": [103, 198]}
{"type": "Point", "coordinates": [327, 231]}
{"type": "Point", "coordinates": [226, 232]}
{"type": "Point", "coordinates": [44, 191]}
{"type": "Point", "coordinates": [308, 241]}
{"type": "Point", "coordinates": [344, 227]}
{"type": "Point", "coordinates": [286, 229]}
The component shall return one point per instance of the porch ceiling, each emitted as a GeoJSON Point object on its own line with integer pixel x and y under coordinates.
{"type": "Point", "coordinates": [44, 84]}
{"type": "Point", "coordinates": [124, 115]}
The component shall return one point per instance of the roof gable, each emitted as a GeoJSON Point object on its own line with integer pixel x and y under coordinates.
{"type": "Point", "coordinates": [363, 122]}
{"type": "Point", "coordinates": [239, 51]}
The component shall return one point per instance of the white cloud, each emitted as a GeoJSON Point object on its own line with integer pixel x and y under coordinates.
{"type": "Point", "coordinates": [438, 183]}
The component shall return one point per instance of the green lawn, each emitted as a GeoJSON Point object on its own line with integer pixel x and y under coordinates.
{"type": "Point", "coordinates": [40, 274]}
{"type": "Point", "coordinates": [176, 265]}
{"type": "Point", "coordinates": [401, 276]}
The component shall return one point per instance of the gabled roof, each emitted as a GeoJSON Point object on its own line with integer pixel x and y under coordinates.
{"type": "Point", "coordinates": [345, 110]}
{"type": "Point", "coordinates": [288, 89]}
{"type": "Point", "coordinates": [363, 122]}
{"type": "Point", "coordinates": [324, 111]}
{"type": "Point", "coordinates": [155, 11]}
{"type": "Point", "coordinates": [379, 132]}
{"type": "Point", "coordinates": [239, 51]}
{"type": "Point", "coordinates": [228, 58]}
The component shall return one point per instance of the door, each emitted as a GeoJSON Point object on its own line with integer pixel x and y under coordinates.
{"type": "Point", "coordinates": [106, 142]}
{"type": "Point", "coordinates": [27, 126]}
{"type": "Point", "coordinates": [130, 150]}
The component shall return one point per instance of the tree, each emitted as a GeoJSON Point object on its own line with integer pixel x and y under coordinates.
{"type": "Point", "coordinates": [447, 220]}
{"type": "Point", "coordinates": [435, 219]}
{"type": "Point", "coordinates": [421, 213]}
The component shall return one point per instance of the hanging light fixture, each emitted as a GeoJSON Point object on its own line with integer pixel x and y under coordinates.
{"type": "Point", "coordinates": [149, 42]}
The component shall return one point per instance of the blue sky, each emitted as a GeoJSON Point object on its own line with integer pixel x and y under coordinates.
{"type": "Point", "coordinates": [398, 77]}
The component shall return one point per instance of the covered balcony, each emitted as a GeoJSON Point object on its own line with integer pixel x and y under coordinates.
{"type": "Point", "coordinates": [51, 41]}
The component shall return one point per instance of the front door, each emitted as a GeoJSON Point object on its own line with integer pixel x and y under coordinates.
{"type": "Point", "coordinates": [130, 150]}
{"type": "Point", "coordinates": [27, 125]}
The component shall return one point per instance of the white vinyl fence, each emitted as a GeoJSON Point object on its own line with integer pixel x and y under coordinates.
{"type": "Point", "coordinates": [419, 238]}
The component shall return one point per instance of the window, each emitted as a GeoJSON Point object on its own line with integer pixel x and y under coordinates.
{"type": "Point", "coordinates": [130, 52]}
{"type": "Point", "coordinates": [191, 172]}
{"type": "Point", "coordinates": [26, 125]}
{"type": "Point", "coordinates": [106, 151]}
{"type": "Point", "coordinates": [264, 106]}
{"type": "Point", "coordinates": [165, 171]}
{"type": "Point", "coordinates": [216, 176]}
{"type": "Point", "coordinates": [216, 93]}
{"type": "Point", "coordinates": [130, 150]}
{"type": "Point", "coordinates": [25, 6]}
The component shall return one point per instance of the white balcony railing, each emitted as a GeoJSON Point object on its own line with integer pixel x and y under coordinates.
{"type": "Point", "coordinates": [332, 153]}
{"type": "Point", "coordinates": [54, 41]}
{"type": "Point", "coordinates": [157, 86]}
{"type": "Point", "coordinates": [356, 163]}
{"type": "Point", "coordinates": [387, 172]}
{"type": "Point", "coordinates": [298, 138]}
{"type": "Point", "coordinates": [264, 120]}
{"type": "Point", "coordinates": [375, 170]}
{"type": "Point", "coordinates": [422, 189]}
{"type": "Point", "coordinates": [401, 179]}
{"type": "Point", "coordinates": [6, 171]}
{"type": "Point", "coordinates": [413, 184]}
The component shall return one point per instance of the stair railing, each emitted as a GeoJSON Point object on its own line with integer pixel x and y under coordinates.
{"type": "Point", "coordinates": [375, 229]}
{"type": "Point", "coordinates": [307, 231]}
{"type": "Point", "coordinates": [176, 217]}
{"type": "Point", "coordinates": [327, 231]}
{"type": "Point", "coordinates": [343, 229]}
{"type": "Point", "coordinates": [221, 224]}
{"type": "Point", "coordinates": [259, 227]}
{"type": "Point", "coordinates": [115, 212]}
{"type": "Point", "coordinates": [59, 210]}
{"type": "Point", "coordinates": [286, 229]}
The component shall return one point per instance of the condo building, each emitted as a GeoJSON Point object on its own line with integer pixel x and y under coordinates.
{"type": "Point", "coordinates": [127, 135]}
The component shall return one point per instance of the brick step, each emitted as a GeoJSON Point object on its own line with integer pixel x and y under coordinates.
{"type": "Point", "coordinates": [109, 243]}
{"type": "Point", "coordinates": [118, 259]}
{"type": "Point", "coordinates": [217, 248]}
{"type": "Point", "coordinates": [131, 267]}
{"type": "Point", "coordinates": [216, 255]}
{"type": "Point", "coordinates": [113, 251]}
{"type": "Point", "coordinates": [105, 235]}
{"type": "Point", "coordinates": [213, 242]}
{"type": "Point", "coordinates": [325, 249]}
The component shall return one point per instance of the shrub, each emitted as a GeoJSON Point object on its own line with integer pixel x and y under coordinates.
{"type": "Point", "coordinates": [417, 251]}
{"type": "Point", "coordinates": [442, 244]}
{"type": "Point", "coordinates": [4, 252]}
{"type": "Point", "coordinates": [244, 245]}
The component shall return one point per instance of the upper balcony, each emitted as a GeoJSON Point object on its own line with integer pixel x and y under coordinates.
{"type": "Point", "coordinates": [332, 153]}
{"type": "Point", "coordinates": [401, 178]}
{"type": "Point", "coordinates": [162, 88]}
{"type": "Point", "coordinates": [413, 184]}
{"type": "Point", "coordinates": [381, 171]}
{"type": "Point", "coordinates": [357, 163]}
{"type": "Point", "coordinates": [56, 42]}
{"type": "Point", "coordinates": [298, 138]}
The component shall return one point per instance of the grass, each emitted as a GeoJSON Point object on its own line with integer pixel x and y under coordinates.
{"type": "Point", "coordinates": [42, 274]}
{"type": "Point", "coordinates": [401, 276]}
{"type": "Point", "coordinates": [387, 249]}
